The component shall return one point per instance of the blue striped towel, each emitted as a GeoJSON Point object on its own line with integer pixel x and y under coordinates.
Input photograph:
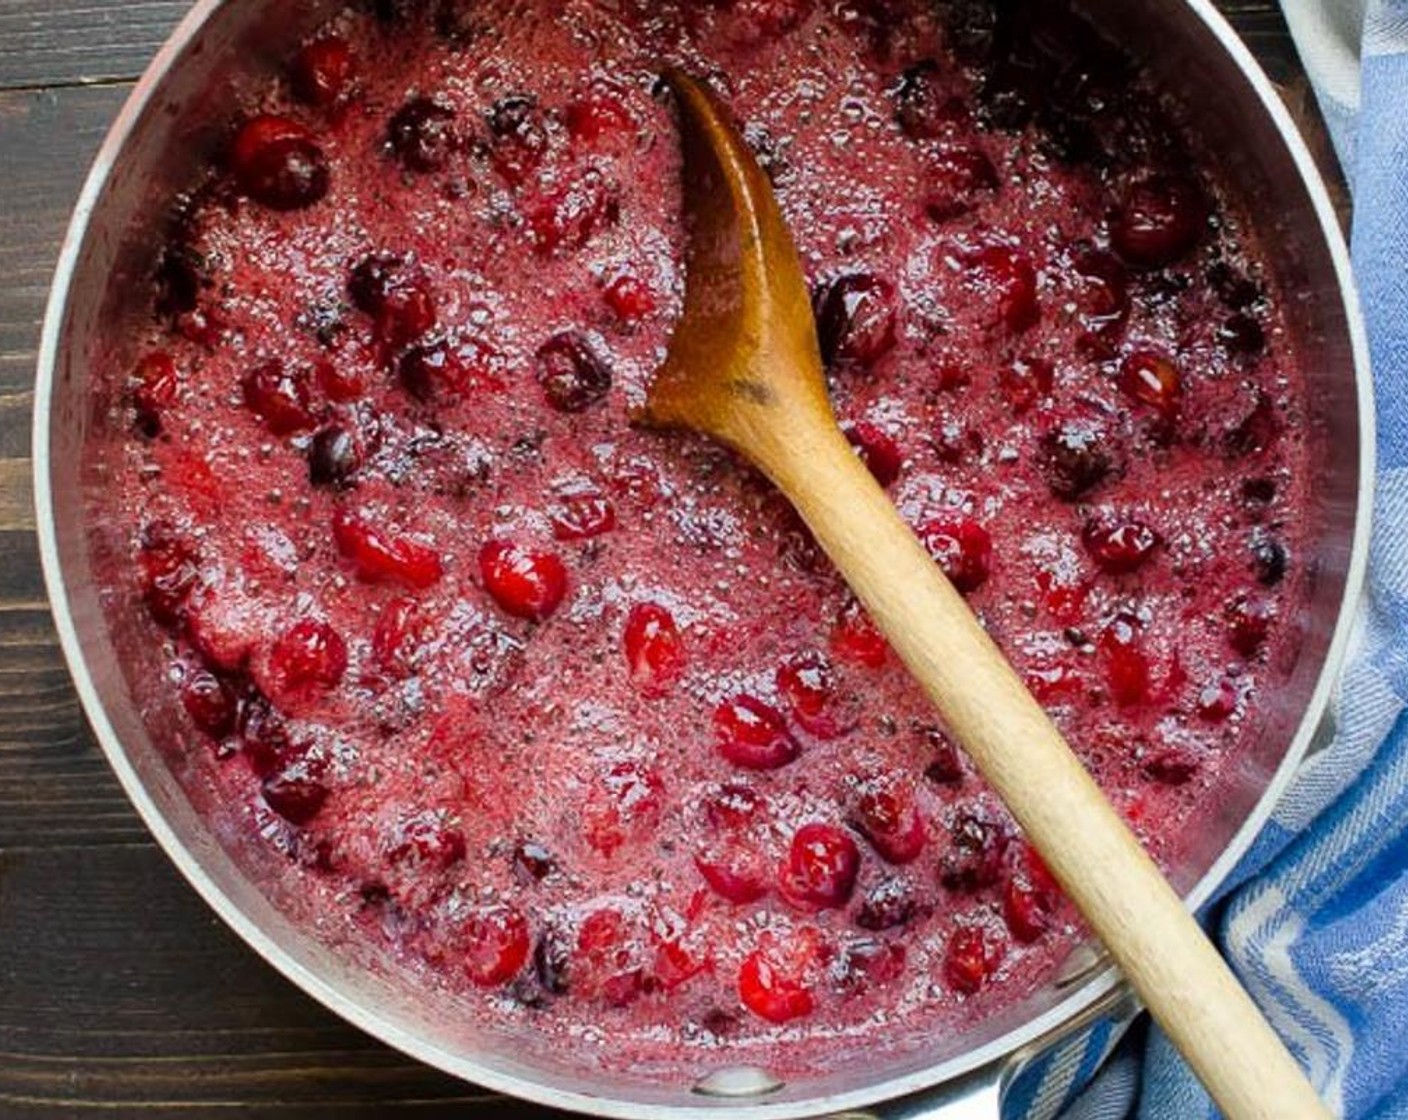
{"type": "Point", "coordinates": [1316, 923]}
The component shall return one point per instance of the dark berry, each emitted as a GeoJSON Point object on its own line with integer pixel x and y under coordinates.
{"type": "Point", "coordinates": [1075, 457]}
{"type": "Point", "coordinates": [888, 904]}
{"type": "Point", "coordinates": [962, 548]}
{"type": "Point", "coordinates": [423, 135]}
{"type": "Point", "coordinates": [277, 163]}
{"type": "Point", "coordinates": [1120, 545]}
{"type": "Point", "coordinates": [1152, 379]}
{"type": "Point", "coordinates": [856, 321]}
{"type": "Point", "coordinates": [956, 179]}
{"type": "Point", "coordinates": [974, 857]}
{"type": "Point", "coordinates": [333, 457]}
{"type": "Point", "coordinates": [210, 702]}
{"type": "Point", "coordinates": [572, 371]}
{"type": "Point", "coordinates": [323, 71]}
{"type": "Point", "coordinates": [519, 137]}
{"type": "Point", "coordinates": [1159, 220]}
{"type": "Point", "coordinates": [1003, 280]}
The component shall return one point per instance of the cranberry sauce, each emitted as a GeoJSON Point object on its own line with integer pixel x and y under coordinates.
{"type": "Point", "coordinates": [576, 716]}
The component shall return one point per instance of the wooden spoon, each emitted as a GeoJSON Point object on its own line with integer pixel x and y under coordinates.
{"type": "Point", "coordinates": [744, 368]}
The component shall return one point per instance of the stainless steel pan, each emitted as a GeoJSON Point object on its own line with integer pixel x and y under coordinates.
{"type": "Point", "coordinates": [155, 149]}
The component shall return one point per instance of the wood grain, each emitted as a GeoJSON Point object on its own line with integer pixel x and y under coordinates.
{"type": "Point", "coordinates": [120, 994]}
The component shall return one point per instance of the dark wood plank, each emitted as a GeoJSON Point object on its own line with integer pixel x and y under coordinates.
{"type": "Point", "coordinates": [46, 43]}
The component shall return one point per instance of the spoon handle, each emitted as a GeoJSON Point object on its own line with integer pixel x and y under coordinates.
{"type": "Point", "coordinates": [1125, 899]}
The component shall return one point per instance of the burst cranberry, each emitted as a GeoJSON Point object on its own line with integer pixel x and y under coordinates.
{"type": "Point", "coordinates": [956, 179]}
{"type": "Point", "coordinates": [532, 862]}
{"type": "Point", "coordinates": [527, 583]}
{"type": "Point", "coordinates": [440, 370]}
{"type": "Point", "coordinates": [1173, 766]}
{"type": "Point", "coordinates": [1241, 334]}
{"type": "Point", "coordinates": [428, 839]}
{"type": "Point", "coordinates": [1075, 456]}
{"type": "Point", "coordinates": [1218, 701]}
{"type": "Point", "coordinates": [1153, 380]}
{"type": "Point", "coordinates": [277, 163]}
{"type": "Point", "coordinates": [572, 371]}
{"type": "Point", "coordinates": [156, 386]}
{"type": "Point", "coordinates": [630, 298]}
{"type": "Point", "coordinates": [570, 216]}
{"type": "Point", "coordinates": [403, 631]}
{"type": "Point", "coordinates": [210, 703]}
{"type": "Point", "coordinates": [579, 515]}
{"type": "Point", "coordinates": [922, 107]}
{"type": "Point", "coordinates": [856, 321]}
{"type": "Point", "coordinates": [1126, 665]}
{"type": "Point", "coordinates": [170, 567]}
{"type": "Point", "coordinates": [625, 805]}
{"type": "Point", "coordinates": [729, 857]}
{"type": "Point", "coordinates": [606, 966]}
{"type": "Point", "coordinates": [654, 650]}
{"type": "Point", "coordinates": [753, 735]}
{"type": "Point", "coordinates": [1101, 294]}
{"type": "Point", "coordinates": [974, 857]}
{"type": "Point", "coordinates": [887, 813]}
{"type": "Point", "coordinates": [279, 397]}
{"type": "Point", "coordinates": [1253, 426]}
{"type": "Point", "coordinates": [1159, 220]}
{"type": "Point", "coordinates": [397, 296]}
{"type": "Point", "coordinates": [888, 904]}
{"type": "Point", "coordinates": [310, 655]}
{"type": "Point", "coordinates": [381, 556]}
{"type": "Point", "coordinates": [423, 135]}
{"type": "Point", "coordinates": [333, 457]}
{"type": "Point", "coordinates": [1120, 545]}
{"type": "Point", "coordinates": [264, 735]}
{"type": "Point", "coordinates": [600, 112]}
{"type": "Point", "coordinates": [877, 450]}
{"type": "Point", "coordinates": [323, 71]}
{"type": "Point", "coordinates": [1025, 383]}
{"type": "Point", "coordinates": [1004, 282]}
{"type": "Point", "coordinates": [866, 963]}
{"type": "Point", "coordinates": [808, 685]}
{"type": "Point", "coordinates": [946, 765]}
{"type": "Point", "coordinates": [496, 945]}
{"type": "Point", "coordinates": [962, 548]}
{"type": "Point", "coordinates": [1249, 623]}
{"type": "Point", "coordinates": [855, 638]}
{"type": "Point", "coordinates": [340, 382]}
{"type": "Point", "coordinates": [821, 868]}
{"type": "Point", "coordinates": [778, 979]}
{"type": "Point", "coordinates": [971, 959]}
{"type": "Point", "coordinates": [519, 138]}
{"type": "Point", "coordinates": [1029, 898]}
{"type": "Point", "coordinates": [296, 792]}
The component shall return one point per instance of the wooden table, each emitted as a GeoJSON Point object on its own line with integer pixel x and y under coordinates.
{"type": "Point", "coordinates": [120, 993]}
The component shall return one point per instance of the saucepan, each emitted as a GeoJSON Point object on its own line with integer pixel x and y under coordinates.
{"type": "Point", "coordinates": [170, 128]}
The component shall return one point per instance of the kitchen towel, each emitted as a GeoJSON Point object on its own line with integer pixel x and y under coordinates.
{"type": "Point", "coordinates": [1315, 919]}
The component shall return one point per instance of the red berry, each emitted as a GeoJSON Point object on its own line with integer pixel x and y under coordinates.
{"type": "Point", "coordinates": [1126, 666]}
{"type": "Point", "coordinates": [1159, 220]}
{"type": "Point", "coordinates": [971, 959]}
{"type": "Point", "coordinates": [956, 179]}
{"type": "Point", "coordinates": [654, 650]}
{"type": "Point", "coordinates": [309, 656]}
{"type": "Point", "coordinates": [428, 839]}
{"type": "Point", "coordinates": [156, 386]}
{"type": "Point", "coordinates": [730, 856]}
{"type": "Point", "coordinates": [1075, 455]}
{"type": "Point", "coordinates": [210, 703]}
{"type": "Point", "coordinates": [581, 514]}
{"type": "Point", "coordinates": [821, 868]}
{"type": "Point", "coordinates": [624, 806]}
{"type": "Point", "coordinates": [1219, 700]}
{"type": "Point", "coordinates": [519, 138]}
{"type": "Point", "coordinates": [754, 735]}
{"type": "Point", "coordinates": [1249, 622]}
{"type": "Point", "coordinates": [403, 631]}
{"type": "Point", "coordinates": [808, 685]}
{"type": "Point", "coordinates": [1030, 898]}
{"type": "Point", "coordinates": [527, 583]}
{"type": "Point", "coordinates": [856, 321]}
{"type": "Point", "coordinates": [962, 548]}
{"type": "Point", "coordinates": [571, 215]}
{"type": "Point", "coordinates": [778, 979]}
{"type": "Point", "coordinates": [974, 858]}
{"type": "Point", "coordinates": [380, 556]}
{"type": "Point", "coordinates": [439, 370]}
{"type": "Point", "coordinates": [600, 112]}
{"type": "Point", "coordinates": [1101, 291]}
{"type": "Point", "coordinates": [423, 135]}
{"type": "Point", "coordinates": [855, 638]}
{"type": "Point", "coordinates": [573, 372]}
{"type": "Point", "coordinates": [876, 449]}
{"type": "Point", "coordinates": [296, 792]}
{"type": "Point", "coordinates": [887, 814]}
{"type": "Point", "coordinates": [1152, 379]}
{"type": "Point", "coordinates": [1004, 282]}
{"type": "Point", "coordinates": [277, 163]}
{"type": "Point", "coordinates": [496, 945]}
{"type": "Point", "coordinates": [278, 397]}
{"type": "Point", "coordinates": [605, 965]}
{"type": "Point", "coordinates": [170, 569]}
{"type": "Point", "coordinates": [758, 21]}
{"type": "Point", "coordinates": [630, 298]}
{"type": "Point", "coordinates": [1120, 545]}
{"type": "Point", "coordinates": [397, 296]}
{"type": "Point", "coordinates": [1025, 383]}
{"type": "Point", "coordinates": [323, 71]}
{"type": "Point", "coordinates": [341, 383]}
{"type": "Point", "coordinates": [866, 963]}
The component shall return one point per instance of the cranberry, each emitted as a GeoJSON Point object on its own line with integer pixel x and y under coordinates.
{"type": "Point", "coordinates": [606, 966]}
{"type": "Point", "coordinates": [532, 862]}
{"type": "Point", "coordinates": [402, 633]}
{"type": "Point", "coordinates": [1153, 380]}
{"type": "Point", "coordinates": [423, 134]}
{"type": "Point", "coordinates": [1025, 382]}
{"type": "Point", "coordinates": [956, 179]}
{"type": "Point", "coordinates": [866, 963]}
{"type": "Point", "coordinates": [624, 805]}
{"type": "Point", "coordinates": [855, 638]}
{"type": "Point", "coordinates": [397, 296]}
{"type": "Point", "coordinates": [600, 112]}
{"type": "Point", "coordinates": [1126, 665]}
{"type": "Point", "coordinates": [1241, 334]}
{"type": "Point", "coordinates": [1074, 456]}
{"type": "Point", "coordinates": [856, 321]}
{"type": "Point", "coordinates": [210, 703]}
{"type": "Point", "coordinates": [777, 979]}
{"type": "Point", "coordinates": [323, 71]}
{"type": "Point", "coordinates": [754, 735]}
{"type": "Point", "coordinates": [496, 945]}
{"type": "Point", "coordinates": [1004, 281]}
{"type": "Point", "coordinates": [310, 655]}
{"type": "Point", "coordinates": [1249, 622]}
{"type": "Point", "coordinates": [1120, 545]}
{"type": "Point", "coordinates": [923, 109]}
{"type": "Point", "coordinates": [1159, 220]}
{"type": "Point", "coordinates": [570, 216]}
{"type": "Point", "coordinates": [654, 650]}
{"type": "Point", "coordinates": [333, 457]}
{"type": "Point", "coordinates": [971, 959]}
{"type": "Point", "coordinates": [678, 960]}
{"type": "Point", "coordinates": [1269, 560]}
{"type": "Point", "coordinates": [962, 548]}
{"type": "Point", "coordinates": [340, 382]}
{"type": "Point", "coordinates": [526, 583]}
{"type": "Point", "coordinates": [277, 163]}
{"type": "Point", "coordinates": [519, 137]}
{"type": "Point", "coordinates": [954, 442]}
{"type": "Point", "coordinates": [729, 857]}
{"type": "Point", "coordinates": [156, 386]}
{"type": "Point", "coordinates": [877, 450]}
{"type": "Point", "coordinates": [821, 868]}
{"type": "Point", "coordinates": [808, 685]}
{"type": "Point", "coordinates": [263, 734]}
{"type": "Point", "coordinates": [946, 767]}
{"type": "Point", "coordinates": [296, 792]}
{"type": "Point", "coordinates": [438, 370]}
{"type": "Point", "coordinates": [887, 813]}
{"type": "Point", "coordinates": [1218, 700]}
{"type": "Point", "coordinates": [582, 514]}
{"type": "Point", "coordinates": [170, 569]}
{"type": "Point", "coordinates": [1101, 294]}
{"type": "Point", "coordinates": [572, 371]}
{"type": "Point", "coordinates": [630, 298]}
{"type": "Point", "coordinates": [1029, 899]}
{"type": "Point", "coordinates": [1254, 426]}
{"type": "Point", "coordinates": [888, 904]}
{"type": "Point", "coordinates": [1172, 766]}
{"type": "Point", "coordinates": [380, 556]}
{"type": "Point", "coordinates": [428, 839]}
{"type": "Point", "coordinates": [279, 397]}
{"type": "Point", "coordinates": [974, 857]}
